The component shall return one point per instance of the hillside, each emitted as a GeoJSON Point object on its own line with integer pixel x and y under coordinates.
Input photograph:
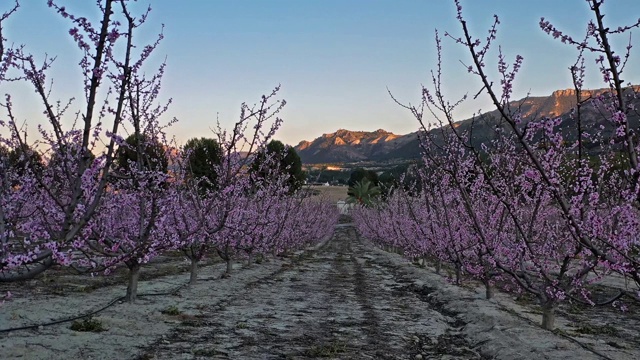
{"type": "Point", "coordinates": [351, 146]}
{"type": "Point", "coordinates": [344, 146]}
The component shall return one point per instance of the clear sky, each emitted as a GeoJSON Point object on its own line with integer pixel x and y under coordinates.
{"type": "Point", "coordinates": [335, 59]}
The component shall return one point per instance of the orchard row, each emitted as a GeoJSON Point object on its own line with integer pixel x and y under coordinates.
{"type": "Point", "coordinates": [111, 190]}
{"type": "Point", "coordinates": [544, 206]}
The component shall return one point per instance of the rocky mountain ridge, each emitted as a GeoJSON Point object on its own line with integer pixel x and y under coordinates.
{"type": "Point", "coordinates": [351, 146]}
{"type": "Point", "coordinates": [344, 146]}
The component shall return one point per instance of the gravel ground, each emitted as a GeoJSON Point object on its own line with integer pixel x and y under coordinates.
{"type": "Point", "coordinates": [344, 299]}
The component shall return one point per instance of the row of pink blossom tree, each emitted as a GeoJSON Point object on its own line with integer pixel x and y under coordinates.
{"type": "Point", "coordinates": [93, 199]}
{"type": "Point", "coordinates": [533, 207]}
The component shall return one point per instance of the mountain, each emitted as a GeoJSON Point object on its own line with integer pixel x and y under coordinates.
{"type": "Point", "coordinates": [351, 146]}
{"type": "Point", "coordinates": [560, 103]}
{"type": "Point", "coordinates": [345, 146]}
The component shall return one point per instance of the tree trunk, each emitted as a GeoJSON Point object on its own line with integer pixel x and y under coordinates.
{"type": "Point", "coordinates": [229, 266]}
{"type": "Point", "coordinates": [226, 256]}
{"type": "Point", "coordinates": [438, 266]}
{"type": "Point", "coordinates": [458, 274]}
{"type": "Point", "coordinates": [488, 289]}
{"type": "Point", "coordinates": [193, 277]}
{"type": "Point", "coordinates": [548, 316]}
{"type": "Point", "coordinates": [132, 288]}
{"type": "Point", "coordinates": [249, 259]}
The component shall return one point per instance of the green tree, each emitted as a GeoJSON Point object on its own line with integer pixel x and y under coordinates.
{"type": "Point", "coordinates": [4, 154]}
{"type": "Point", "coordinates": [204, 155]}
{"type": "Point", "coordinates": [153, 154]}
{"type": "Point", "coordinates": [71, 151]}
{"type": "Point", "coordinates": [287, 160]}
{"type": "Point", "coordinates": [359, 174]}
{"type": "Point", "coordinates": [64, 161]}
{"type": "Point", "coordinates": [403, 176]}
{"type": "Point", "coordinates": [4, 165]}
{"type": "Point", "coordinates": [23, 159]}
{"type": "Point", "coordinates": [363, 192]}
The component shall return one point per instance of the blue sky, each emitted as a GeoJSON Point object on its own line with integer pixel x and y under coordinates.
{"type": "Point", "coordinates": [335, 59]}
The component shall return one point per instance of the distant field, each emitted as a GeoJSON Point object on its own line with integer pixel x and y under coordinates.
{"type": "Point", "coordinates": [333, 193]}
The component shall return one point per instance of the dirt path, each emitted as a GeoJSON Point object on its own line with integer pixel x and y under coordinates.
{"type": "Point", "coordinates": [345, 299]}
{"type": "Point", "coordinates": [339, 302]}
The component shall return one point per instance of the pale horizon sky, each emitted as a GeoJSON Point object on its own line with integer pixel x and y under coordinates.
{"type": "Point", "coordinates": [335, 59]}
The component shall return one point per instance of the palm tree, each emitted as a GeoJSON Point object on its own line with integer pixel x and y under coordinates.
{"type": "Point", "coordinates": [363, 192]}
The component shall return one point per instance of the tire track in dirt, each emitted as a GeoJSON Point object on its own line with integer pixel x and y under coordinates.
{"type": "Point", "coordinates": [341, 301]}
